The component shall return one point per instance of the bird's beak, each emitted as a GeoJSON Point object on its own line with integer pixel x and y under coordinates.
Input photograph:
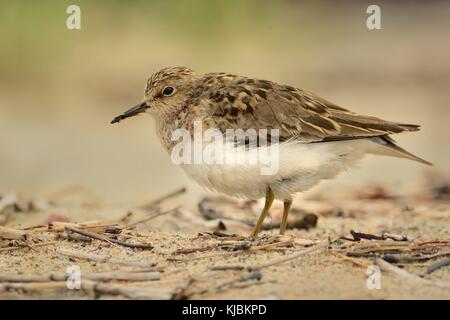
{"type": "Point", "coordinates": [141, 107]}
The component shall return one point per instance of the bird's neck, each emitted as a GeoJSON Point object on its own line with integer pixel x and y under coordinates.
{"type": "Point", "coordinates": [168, 123]}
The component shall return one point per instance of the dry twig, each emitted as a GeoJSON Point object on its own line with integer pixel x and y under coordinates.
{"type": "Point", "coordinates": [273, 262]}
{"type": "Point", "coordinates": [155, 203]}
{"type": "Point", "coordinates": [192, 250]}
{"type": "Point", "coordinates": [150, 217]}
{"type": "Point", "coordinates": [386, 266]}
{"type": "Point", "coordinates": [110, 240]}
{"type": "Point", "coordinates": [228, 253]}
{"type": "Point", "coordinates": [108, 259]}
{"type": "Point", "coordinates": [99, 276]}
{"type": "Point", "coordinates": [29, 246]}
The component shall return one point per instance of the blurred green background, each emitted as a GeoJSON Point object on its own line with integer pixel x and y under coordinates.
{"type": "Point", "coordinates": [59, 88]}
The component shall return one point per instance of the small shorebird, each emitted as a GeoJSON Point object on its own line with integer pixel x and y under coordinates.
{"type": "Point", "coordinates": [316, 138]}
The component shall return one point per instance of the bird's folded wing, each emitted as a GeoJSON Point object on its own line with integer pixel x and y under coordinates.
{"type": "Point", "coordinates": [298, 114]}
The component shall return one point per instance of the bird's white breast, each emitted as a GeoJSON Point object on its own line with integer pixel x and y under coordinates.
{"type": "Point", "coordinates": [300, 166]}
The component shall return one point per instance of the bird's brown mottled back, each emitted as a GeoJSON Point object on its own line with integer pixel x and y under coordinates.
{"type": "Point", "coordinates": [230, 101]}
{"type": "Point", "coordinates": [226, 101]}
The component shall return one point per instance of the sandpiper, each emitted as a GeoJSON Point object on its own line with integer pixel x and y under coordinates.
{"type": "Point", "coordinates": [316, 139]}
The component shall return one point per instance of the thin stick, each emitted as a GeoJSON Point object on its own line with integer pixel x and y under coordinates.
{"type": "Point", "coordinates": [153, 216]}
{"type": "Point", "coordinates": [321, 245]}
{"type": "Point", "coordinates": [31, 246]}
{"type": "Point", "coordinates": [33, 286]}
{"type": "Point", "coordinates": [108, 259]}
{"type": "Point", "coordinates": [380, 244]}
{"type": "Point", "coordinates": [248, 251]}
{"type": "Point", "coordinates": [400, 247]}
{"type": "Point", "coordinates": [57, 226]}
{"type": "Point", "coordinates": [110, 240]}
{"type": "Point", "coordinates": [352, 260]}
{"type": "Point", "coordinates": [192, 250]}
{"type": "Point", "coordinates": [99, 276]}
{"type": "Point", "coordinates": [386, 266]}
{"type": "Point", "coordinates": [158, 201]}
{"type": "Point", "coordinates": [225, 268]}
{"type": "Point", "coordinates": [399, 258]}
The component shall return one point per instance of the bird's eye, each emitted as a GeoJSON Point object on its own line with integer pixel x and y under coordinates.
{"type": "Point", "coordinates": [168, 91]}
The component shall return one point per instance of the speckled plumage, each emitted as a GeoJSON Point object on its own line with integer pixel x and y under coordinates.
{"type": "Point", "coordinates": [229, 101]}
{"type": "Point", "coordinates": [318, 139]}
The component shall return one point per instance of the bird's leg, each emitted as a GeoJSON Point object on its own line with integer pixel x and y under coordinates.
{"type": "Point", "coordinates": [269, 200]}
{"type": "Point", "coordinates": [286, 208]}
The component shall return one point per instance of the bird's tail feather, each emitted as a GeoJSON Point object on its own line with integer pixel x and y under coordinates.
{"type": "Point", "coordinates": [386, 146]}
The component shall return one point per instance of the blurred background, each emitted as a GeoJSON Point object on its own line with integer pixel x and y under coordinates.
{"type": "Point", "coordinates": [60, 88]}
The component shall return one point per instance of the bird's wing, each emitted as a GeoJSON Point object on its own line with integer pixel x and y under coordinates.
{"type": "Point", "coordinates": [239, 102]}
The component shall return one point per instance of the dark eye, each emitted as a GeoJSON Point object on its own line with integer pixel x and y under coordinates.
{"type": "Point", "coordinates": [168, 91]}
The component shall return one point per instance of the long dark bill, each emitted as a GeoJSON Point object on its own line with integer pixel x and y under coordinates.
{"type": "Point", "coordinates": [141, 107]}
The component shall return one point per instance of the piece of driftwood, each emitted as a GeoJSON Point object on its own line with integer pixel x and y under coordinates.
{"type": "Point", "coordinates": [110, 240]}
{"type": "Point", "coordinates": [59, 226]}
{"type": "Point", "coordinates": [99, 276]}
{"type": "Point", "coordinates": [322, 245]}
{"type": "Point", "coordinates": [12, 234]}
{"type": "Point", "coordinates": [106, 259]}
{"type": "Point", "coordinates": [402, 273]}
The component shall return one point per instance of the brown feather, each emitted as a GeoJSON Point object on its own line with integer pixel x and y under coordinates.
{"type": "Point", "coordinates": [298, 114]}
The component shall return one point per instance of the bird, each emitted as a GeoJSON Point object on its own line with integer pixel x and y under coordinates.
{"type": "Point", "coordinates": [314, 138]}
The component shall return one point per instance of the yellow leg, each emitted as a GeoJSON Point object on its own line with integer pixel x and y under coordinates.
{"type": "Point", "coordinates": [265, 211]}
{"type": "Point", "coordinates": [287, 207]}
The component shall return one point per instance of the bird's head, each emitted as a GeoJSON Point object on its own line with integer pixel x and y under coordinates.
{"type": "Point", "coordinates": [166, 92]}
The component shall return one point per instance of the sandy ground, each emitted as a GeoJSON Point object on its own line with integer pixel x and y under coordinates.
{"type": "Point", "coordinates": [61, 92]}
{"type": "Point", "coordinates": [186, 250]}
